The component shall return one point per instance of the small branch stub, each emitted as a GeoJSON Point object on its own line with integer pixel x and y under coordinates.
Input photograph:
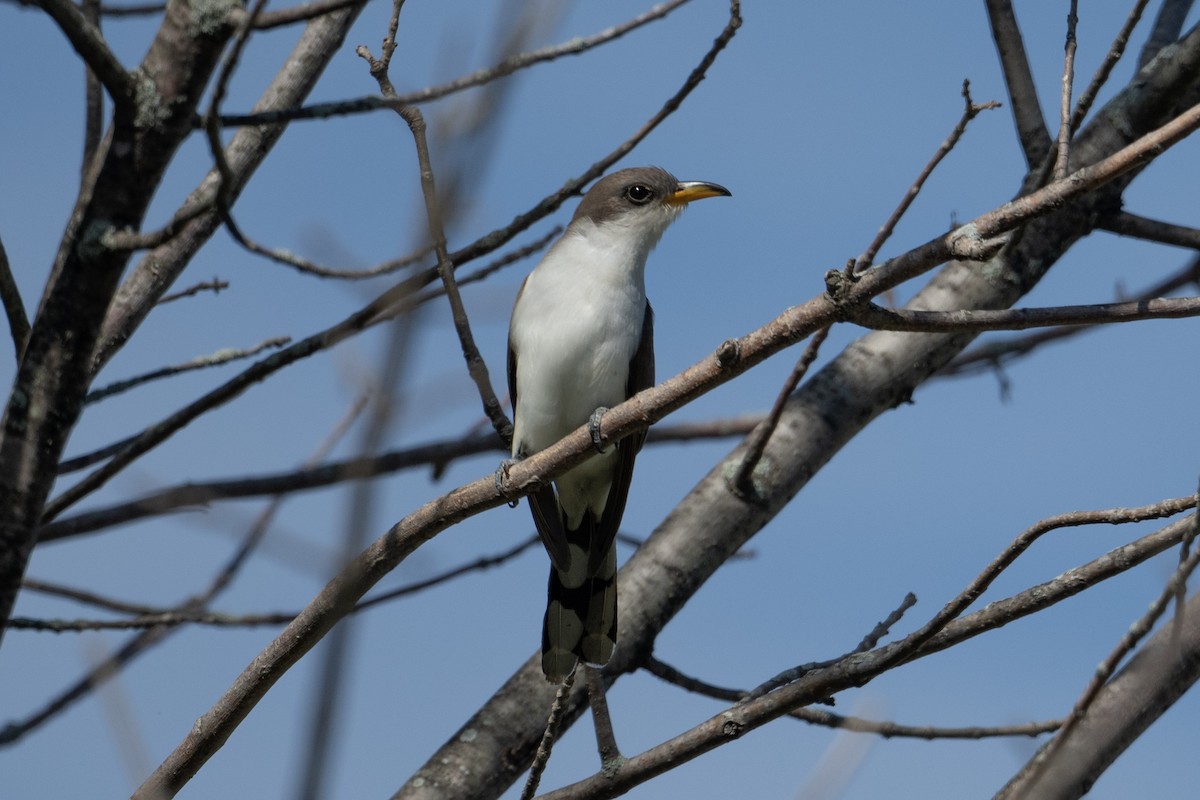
{"type": "Point", "coordinates": [728, 353]}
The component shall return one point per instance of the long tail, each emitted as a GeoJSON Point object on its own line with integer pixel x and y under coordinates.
{"type": "Point", "coordinates": [581, 612]}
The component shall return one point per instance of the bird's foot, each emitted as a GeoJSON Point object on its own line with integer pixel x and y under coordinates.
{"type": "Point", "coordinates": [594, 428]}
{"type": "Point", "coordinates": [501, 478]}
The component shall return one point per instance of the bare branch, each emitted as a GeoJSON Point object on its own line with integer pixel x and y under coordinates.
{"type": "Point", "coordinates": [89, 43]}
{"type": "Point", "coordinates": [151, 617]}
{"type": "Point", "coordinates": [1068, 80]}
{"type": "Point", "coordinates": [127, 240]}
{"type": "Point", "coordinates": [14, 307]}
{"type": "Point", "coordinates": [159, 268]}
{"type": "Point", "coordinates": [1121, 710]}
{"type": "Point", "coordinates": [267, 20]}
{"type": "Point", "coordinates": [134, 10]}
{"type": "Point", "coordinates": [854, 670]}
{"type": "Point", "coordinates": [438, 454]}
{"type": "Point", "coordinates": [969, 113]}
{"type": "Point", "coordinates": [996, 353]}
{"type": "Point", "coordinates": [869, 642]}
{"type": "Point", "coordinates": [88, 598]}
{"type": "Point", "coordinates": [828, 719]}
{"type": "Point", "coordinates": [198, 603]}
{"type": "Point", "coordinates": [1124, 223]}
{"type": "Point", "coordinates": [216, 286]}
{"type": "Point", "coordinates": [1022, 94]}
{"type": "Point", "coordinates": [542, 757]}
{"type": "Point", "coordinates": [742, 482]}
{"type": "Point", "coordinates": [606, 738]}
{"type": "Point", "coordinates": [216, 359]}
{"type": "Point", "coordinates": [1115, 51]}
{"type": "Point", "coordinates": [1016, 319]}
{"type": "Point", "coordinates": [159, 432]}
{"type": "Point", "coordinates": [507, 67]}
{"type": "Point", "coordinates": [1167, 25]}
{"type": "Point", "coordinates": [93, 123]}
{"type": "Point", "coordinates": [395, 299]}
{"type": "Point", "coordinates": [476, 366]}
{"type": "Point", "coordinates": [1043, 764]}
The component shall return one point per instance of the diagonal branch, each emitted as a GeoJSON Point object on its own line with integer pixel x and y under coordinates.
{"type": "Point", "coordinates": [507, 67]}
{"type": "Point", "coordinates": [89, 42]}
{"type": "Point", "coordinates": [1022, 94]}
{"type": "Point", "coordinates": [14, 307]}
{"type": "Point", "coordinates": [856, 670]}
{"type": "Point", "coordinates": [1017, 319]}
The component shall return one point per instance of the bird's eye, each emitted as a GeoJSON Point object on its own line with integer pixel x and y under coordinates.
{"type": "Point", "coordinates": [639, 193]}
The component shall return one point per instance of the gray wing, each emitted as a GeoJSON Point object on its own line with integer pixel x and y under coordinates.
{"type": "Point", "coordinates": [641, 376]}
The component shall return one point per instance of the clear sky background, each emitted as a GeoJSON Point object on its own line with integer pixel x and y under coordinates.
{"type": "Point", "coordinates": [817, 117]}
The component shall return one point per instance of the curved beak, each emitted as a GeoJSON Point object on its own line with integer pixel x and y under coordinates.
{"type": "Point", "coordinates": [687, 191]}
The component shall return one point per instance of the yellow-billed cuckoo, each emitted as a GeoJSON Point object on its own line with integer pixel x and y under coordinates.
{"type": "Point", "coordinates": [580, 340]}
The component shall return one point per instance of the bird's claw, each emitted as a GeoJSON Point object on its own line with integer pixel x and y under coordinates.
{"type": "Point", "coordinates": [594, 428]}
{"type": "Point", "coordinates": [501, 478]}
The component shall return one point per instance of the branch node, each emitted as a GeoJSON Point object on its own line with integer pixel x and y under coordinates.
{"type": "Point", "coordinates": [729, 353]}
{"type": "Point", "coordinates": [838, 285]}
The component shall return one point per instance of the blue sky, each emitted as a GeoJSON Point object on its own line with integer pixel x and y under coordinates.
{"type": "Point", "coordinates": [817, 118]}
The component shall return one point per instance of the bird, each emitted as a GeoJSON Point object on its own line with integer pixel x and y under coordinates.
{"type": "Point", "coordinates": [581, 339]}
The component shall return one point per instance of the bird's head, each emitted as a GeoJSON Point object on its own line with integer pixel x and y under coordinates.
{"type": "Point", "coordinates": [642, 201]}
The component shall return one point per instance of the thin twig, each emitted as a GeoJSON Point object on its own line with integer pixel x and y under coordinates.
{"type": "Point", "coordinates": [146, 639]}
{"type": "Point", "coordinates": [132, 240]}
{"type": "Point", "coordinates": [868, 642]}
{"type": "Point", "coordinates": [268, 20]}
{"type": "Point", "coordinates": [150, 616]}
{"type": "Point", "coordinates": [93, 104]}
{"type": "Point", "coordinates": [828, 719]}
{"type": "Point", "coordinates": [1185, 548]}
{"type": "Point", "coordinates": [1167, 25]}
{"type": "Point", "coordinates": [223, 196]}
{"type": "Point", "coordinates": [739, 719]}
{"type": "Point", "coordinates": [1068, 79]}
{"type": "Point", "coordinates": [1108, 667]}
{"type": "Point", "coordinates": [216, 286]}
{"type": "Point", "coordinates": [1084, 104]}
{"type": "Point", "coordinates": [476, 366]}
{"type": "Point", "coordinates": [91, 46]}
{"type": "Point", "coordinates": [743, 481]}
{"type": "Point", "coordinates": [87, 598]}
{"type": "Point", "coordinates": [14, 307]}
{"type": "Point", "coordinates": [549, 736]}
{"type": "Point", "coordinates": [439, 454]}
{"type": "Point", "coordinates": [223, 356]}
{"type": "Point", "coordinates": [606, 739]}
{"type": "Point", "coordinates": [1018, 79]}
{"type": "Point", "coordinates": [495, 266]}
{"type": "Point", "coordinates": [1016, 319]}
{"type": "Point", "coordinates": [970, 111]}
{"type": "Point", "coordinates": [994, 354]}
{"type": "Point", "coordinates": [1123, 223]}
{"type": "Point", "coordinates": [507, 67]}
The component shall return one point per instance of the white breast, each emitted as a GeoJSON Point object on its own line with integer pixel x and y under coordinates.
{"type": "Point", "coordinates": [575, 329]}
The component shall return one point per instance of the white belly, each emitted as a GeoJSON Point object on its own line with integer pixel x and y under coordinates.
{"type": "Point", "coordinates": [574, 330]}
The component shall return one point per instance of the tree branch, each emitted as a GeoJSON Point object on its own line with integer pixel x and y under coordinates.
{"type": "Point", "coordinates": [1022, 94]}
{"type": "Point", "coordinates": [14, 307]}
{"type": "Point", "coordinates": [507, 67]}
{"type": "Point", "coordinates": [852, 671]}
{"type": "Point", "coordinates": [1126, 706]}
{"type": "Point", "coordinates": [1065, 128]}
{"type": "Point", "coordinates": [1016, 319]}
{"type": "Point", "coordinates": [89, 43]}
